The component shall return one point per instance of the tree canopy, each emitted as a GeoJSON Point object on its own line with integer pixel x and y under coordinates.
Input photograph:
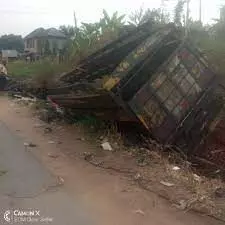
{"type": "Point", "coordinates": [11, 41]}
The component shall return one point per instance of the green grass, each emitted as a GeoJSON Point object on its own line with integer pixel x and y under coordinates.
{"type": "Point", "coordinates": [27, 70]}
{"type": "Point", "coordinates": [215, 51]}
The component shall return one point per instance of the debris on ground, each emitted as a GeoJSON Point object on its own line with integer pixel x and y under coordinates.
{"type": "Point", "coordinates": [142, 162]}
{"type": "Point", "coordinates": [47, 130]}
{"type": "Point", "coordinates": [81, 139]}
{"type": "Point", "coordinates": [168, 184]}
{"type": "Point", "coordinates": [182, 205]}
{"type": "Point", "coordinates": [139, 211]}
{"type": "Point", "coordinates": [175, 168]}
{"type": "Point", "coordinates": [51, 142]}
{"type": "Point", "coordinates": [61, 181]}
{"type": "Point", "coordinates": [220, 193]}
{"type": "Point", "coordinates": [106, 146]}
{"type": "Point", "coordinates": [38, 125]}
{"type": "Point", "coordinates": [137, 176]}
{"type": "Point", "coordinates": [88, 156]}
{"type": "Point", "coordinates": [29, 144]}
{"type": "Point", "coordinates": [53, 155]}
{"type": "Point", "coordinates": [197, 178]}
{"type": "Point", "coordinates": [27, 99]}
{"type": "Point", "coordinates": [17, 96]}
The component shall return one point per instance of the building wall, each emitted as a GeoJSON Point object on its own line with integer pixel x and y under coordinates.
{"type": "Point", "coordinates": [31, 45]}
{"type": "Point", "coordinates": [37, 45]}
{"type": "Point", "coordinates": [56, 43]}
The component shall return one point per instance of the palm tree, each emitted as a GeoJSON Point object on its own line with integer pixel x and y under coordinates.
{"type": "Point", "coordinates": [68, 31]}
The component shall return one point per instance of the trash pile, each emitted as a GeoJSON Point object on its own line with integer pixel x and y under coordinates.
{"type": "Point", "coordinates": [150, 77]}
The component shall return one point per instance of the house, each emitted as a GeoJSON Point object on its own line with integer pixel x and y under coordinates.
{"type": "Point", "coordinates": [9, 55]}
{"type": "Point", "coordinates": [41, 40]}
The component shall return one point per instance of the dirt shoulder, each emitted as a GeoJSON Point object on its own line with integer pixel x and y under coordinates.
{"type": "Point", "coordinates": [113, 198]}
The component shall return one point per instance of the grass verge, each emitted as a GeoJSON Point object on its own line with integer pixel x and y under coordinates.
{"type": "Point", "coordinates": [21, 69]}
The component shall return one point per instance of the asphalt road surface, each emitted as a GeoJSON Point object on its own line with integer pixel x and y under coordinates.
{"type": "Point", "coordinates": [29, 193]}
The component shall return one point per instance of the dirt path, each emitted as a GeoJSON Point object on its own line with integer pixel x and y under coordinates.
{"type": "Point", "coordinates": [109, 198]}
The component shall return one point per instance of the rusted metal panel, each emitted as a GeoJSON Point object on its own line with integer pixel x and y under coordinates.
{"type": "Point", "coordinates": [155, 79]}
{"type": "Point", "coordinates": [104, 61]}
{"type": "Point", "coordinates": [167, 100]}
{"type": "Point", "coordinates": [85, 102]}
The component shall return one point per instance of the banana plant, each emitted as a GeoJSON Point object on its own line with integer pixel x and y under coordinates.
{"type": "Point", "coordinates": [91, 36]}
{"type": "Point", "coordinates": [111, 24]}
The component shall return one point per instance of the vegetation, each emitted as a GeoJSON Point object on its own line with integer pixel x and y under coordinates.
{"type": "Point", "coordinates": [9, 42]}
{"type": "Point", "coordinates": [141, 16]}
{"type": "Point", "coordinates": [178, 12]}
{"type": "Point", "coordinates": [88, 37]}
{"type": "Point", "coordinates": [28, 70]}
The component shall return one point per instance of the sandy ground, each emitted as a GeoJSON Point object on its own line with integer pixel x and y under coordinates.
{"type": "Point", "coordinates": [108, 197]}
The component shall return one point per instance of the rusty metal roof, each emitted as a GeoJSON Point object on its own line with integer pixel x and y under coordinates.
{"type": "Point", "coordinates": [41, 32]}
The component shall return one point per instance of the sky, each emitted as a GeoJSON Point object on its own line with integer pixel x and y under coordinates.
{"type": "Point", "coordinates": [23, 16]}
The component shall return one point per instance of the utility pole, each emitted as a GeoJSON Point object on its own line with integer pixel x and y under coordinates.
{"type": "Point", "coordinates": [187, 18]}
{"type": "Point", "coordinates": [75, 19]}
{"type": "Point", "coordinates": [162, 9]}
{"type": "Point", "coordinates": [200, 11]}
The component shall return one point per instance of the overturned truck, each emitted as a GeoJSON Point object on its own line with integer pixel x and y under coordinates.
{"type": "Point", "coordinates": [151, 77]}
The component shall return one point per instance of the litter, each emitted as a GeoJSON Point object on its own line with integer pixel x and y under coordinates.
{"type": "Point", "coordinates": [197, 178]}
{"type": "Point", "coordinates": [106, 146]}
{"type": "Point", "coordinates": [30, 144]}
{"type": "Point", "coordinates": [168, 184]}
{"type": "Point", "coordinates": [176, 168]}
{"type": "Point", "coordinates": [139, 211]}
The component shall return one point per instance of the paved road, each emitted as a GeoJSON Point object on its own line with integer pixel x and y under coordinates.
{"type": "Point", "coordinates": [26, 185]}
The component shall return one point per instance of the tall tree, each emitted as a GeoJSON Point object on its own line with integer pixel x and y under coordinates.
{"type": "Point", "coordinates": [178, 11]}
{"type": "Point", "coordinates": [11, 41]}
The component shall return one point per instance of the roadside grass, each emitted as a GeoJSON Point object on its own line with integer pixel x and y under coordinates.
{"type": "Point", "coordinates": [21, 69]}
{"type": "Point", "coordinates": [215, 52]}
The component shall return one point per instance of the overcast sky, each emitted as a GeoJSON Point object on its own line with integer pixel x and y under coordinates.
{"type": "Point", "coordinates": [23, 16]}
